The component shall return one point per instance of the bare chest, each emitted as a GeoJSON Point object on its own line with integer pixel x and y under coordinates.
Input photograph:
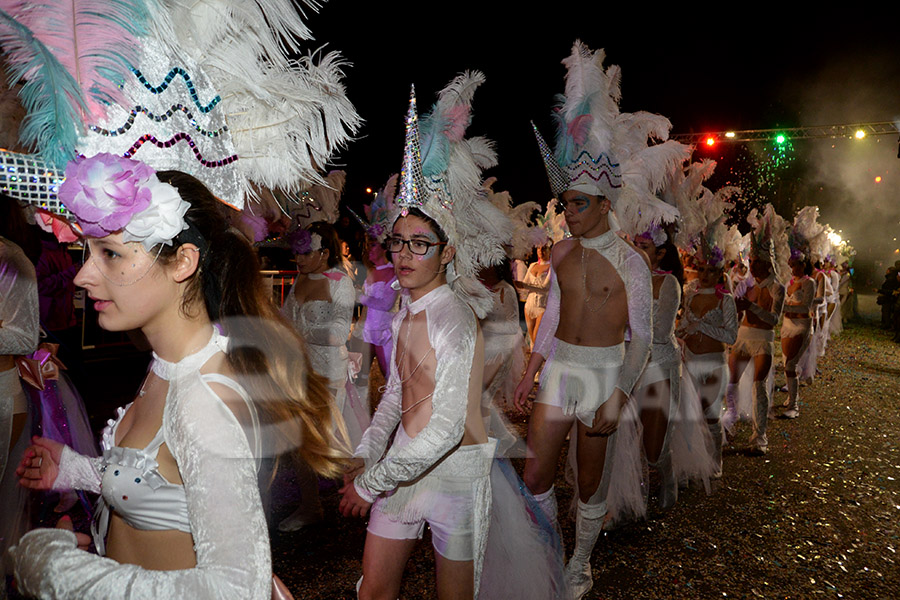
{"type": "Point", "coordinates": [416, 362]}
{"type": "Point", "coordinates": [585, 275]}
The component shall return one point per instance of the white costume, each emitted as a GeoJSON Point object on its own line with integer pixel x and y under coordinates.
{"type": "Point", "coordinates": [504, 349]}
{"type": "Point", "coordinates": [826, 293]}
{"type": "Point", "coordinates": [708, 372]}
{"type": "Point", "coordinates": [430, 477]}
{"type": "Point", "coordinates": [218, 503]}
{"type": "Point", "coordinates": [664, 365]}
{"type": "Point", "coordinates": [835, 325]}
{"type": "Point", "coordinates": [19, 328]}
{"type": "Point", "coordinates": [536, 302]}
{"type": "Point", "coordinates": [325, 326]}
{"type": "Point", "coordinates": [800, 302]}
{"type": "Point", "coordinates": [472, 502]}
{"type": "Point", "coordinates": [753, 341]}
{"type": "Point", "coordinates": [406, 483]}
{"type": "Point", "coordinates": [579, 379]}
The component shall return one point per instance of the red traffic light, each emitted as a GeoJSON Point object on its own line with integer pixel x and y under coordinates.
{"type": "Point", "coordinates": [710, 141]}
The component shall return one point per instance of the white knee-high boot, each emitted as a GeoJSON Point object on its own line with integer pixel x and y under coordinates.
{"type": "Point", "coordinates": [588, 524]}
{"type": "Point", "coordinates": [793, 407]}
{"type": "Point", "coordinates": [759, 443]}
{"type": "Point", "coordinates": [730, 417]}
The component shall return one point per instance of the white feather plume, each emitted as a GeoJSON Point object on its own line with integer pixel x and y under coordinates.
{"type": "Point", "coordinates": [526, 235]}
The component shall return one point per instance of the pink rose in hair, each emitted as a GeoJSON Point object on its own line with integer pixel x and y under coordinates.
{"type": "Point", "coordinates": [105, 191]}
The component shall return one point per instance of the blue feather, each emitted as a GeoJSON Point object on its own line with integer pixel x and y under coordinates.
{"type": "Point", "coordinates": [50, 95]}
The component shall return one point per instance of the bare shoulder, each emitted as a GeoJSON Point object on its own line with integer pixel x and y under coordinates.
{"type": "Point", "coordinates": [560, 250]}
{"type": "Point", "coordinates": [213, 373]}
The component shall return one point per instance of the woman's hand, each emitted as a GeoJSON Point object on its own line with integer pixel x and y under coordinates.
{"type": "Point", "coordinates": [40, 464]}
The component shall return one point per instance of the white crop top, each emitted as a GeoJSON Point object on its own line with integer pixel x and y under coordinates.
{"type": "Point", "coordinates": [216, 459]}
{"type": "Point", "coordinates": [131, 485]}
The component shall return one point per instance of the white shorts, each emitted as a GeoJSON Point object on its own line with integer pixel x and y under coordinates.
{"type": "Point", "coordinates": [579, 379]}
{"type": "Point", "coordinates": [791, 327]}
{"type": "Point", "coordinates": [447, 503]}
{"type": "Point", "coordinates": [753, 341]}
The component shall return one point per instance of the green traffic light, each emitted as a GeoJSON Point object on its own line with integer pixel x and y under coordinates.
{"type": "Point", "coordinates": [780, 139]}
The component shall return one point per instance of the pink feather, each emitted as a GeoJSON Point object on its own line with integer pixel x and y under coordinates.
{"type": "Point", "coordinates": [579, 129]}
{"type": "Point", "coordinates": [87, 37]}
{"type": "Point", "coordinates": [457, 122]}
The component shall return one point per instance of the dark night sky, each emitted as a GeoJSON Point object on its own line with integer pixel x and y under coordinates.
{"type": "Point", "coordinates": [702, 71]}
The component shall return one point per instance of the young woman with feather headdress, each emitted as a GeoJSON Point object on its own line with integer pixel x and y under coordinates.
{"type": "Point", "coordinates": [180, 513]}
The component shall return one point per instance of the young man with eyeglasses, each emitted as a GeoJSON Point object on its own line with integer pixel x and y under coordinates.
{"type": "Point", "coordinates": [434, 393]}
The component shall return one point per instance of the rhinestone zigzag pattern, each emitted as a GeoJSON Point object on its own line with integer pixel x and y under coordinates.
{"type": "Point", "coordinates": [178, 137]}
{"type": "Point", "coordinates": [159, 89]}
{"type": "Point", "coordinates": [158, 118]}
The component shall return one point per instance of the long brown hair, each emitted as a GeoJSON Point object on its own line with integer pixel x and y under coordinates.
{"type": "Point", "coordinates": [267, 354]}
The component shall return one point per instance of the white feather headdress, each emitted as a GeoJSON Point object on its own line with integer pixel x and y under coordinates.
{"type": "Point", "coordinates": [808, 238]}
{"type": "Point", "coordinates": [702, 227]}
{"type": "Point", "coordinates": [647, 157]}
{"type": "Point", "coordinates": [321, 202]}
{"type": "Point", "coordinates": [621, 156]}
{"type": "Point", "coordinates": [769, 240]}
{"type": "Point", "coordinates": [553, 222]}
{"type": "Point", "coordinates": [441, 176]}
{"type": "Point", "coordinates": [377, 214]}
{"type": "Point", "coordinates": [207, 88]}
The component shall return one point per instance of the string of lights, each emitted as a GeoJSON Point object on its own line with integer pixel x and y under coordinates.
{"type": "Point", "coordinates": [780, 136]}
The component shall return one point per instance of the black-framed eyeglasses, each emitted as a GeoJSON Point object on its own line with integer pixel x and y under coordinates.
{"type": "Point", "coordinates": [417, 247]}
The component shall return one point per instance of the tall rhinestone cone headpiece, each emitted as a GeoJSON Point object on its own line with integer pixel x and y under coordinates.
{"type": "Point", "coordinates": [558, 180]}
{"type": "Point", "coordinates": [412, 181]}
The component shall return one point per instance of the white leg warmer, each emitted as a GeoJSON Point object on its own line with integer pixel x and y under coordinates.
{"type": "Point", "coordinates": [547, 502]}
{"type": "Point", "coordinates": [758, 440]}
{"type": "Point", "coordinates": [793, 408]}
{"type": "Point", "coordinates": [588, 524]}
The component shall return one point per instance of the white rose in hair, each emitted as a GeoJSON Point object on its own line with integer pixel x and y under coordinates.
{"type": "Point", "coordinates": [162, 220]}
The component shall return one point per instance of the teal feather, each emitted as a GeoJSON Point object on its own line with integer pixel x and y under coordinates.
{"type": "Point", "coordinates": [50, 95]}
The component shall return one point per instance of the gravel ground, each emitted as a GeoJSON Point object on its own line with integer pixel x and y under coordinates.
{"type": "Point", "coordinates": [815, 518]}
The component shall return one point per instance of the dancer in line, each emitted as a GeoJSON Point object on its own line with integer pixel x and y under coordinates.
{"type": "Point", "coordinates": [320, 307]}
{"type": "Point", "coordinates": [537, 283]}
{"type": "Point", "coordinates": [658, 392]}
{"type": "Point", "coordinates": [599, 283]}
{"type": "Point", "coordinates": [19, 328]}
{"type": "Point", "coordinates": [181, 511]}
{"type": "Point", "coordinates": [762, 305]}
{"type": "Point", "coordinates": [796, 329]}
{"type": "Point", "coordinates": [440, 468]}
{"type": "Point", "coordinates": [708, 326]}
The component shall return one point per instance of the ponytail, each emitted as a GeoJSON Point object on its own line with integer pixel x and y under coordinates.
{"type": "Point", "coordinates": [266, 353]}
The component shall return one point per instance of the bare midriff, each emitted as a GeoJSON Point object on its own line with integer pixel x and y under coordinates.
{"type": "Point", "coordinates": [168, 550]}
{"type": "Point", "coordinates": [764, 301]}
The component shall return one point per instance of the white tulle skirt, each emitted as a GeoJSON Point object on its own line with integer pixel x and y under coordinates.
{"type": "Point", "coordinates": [523, 557]}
